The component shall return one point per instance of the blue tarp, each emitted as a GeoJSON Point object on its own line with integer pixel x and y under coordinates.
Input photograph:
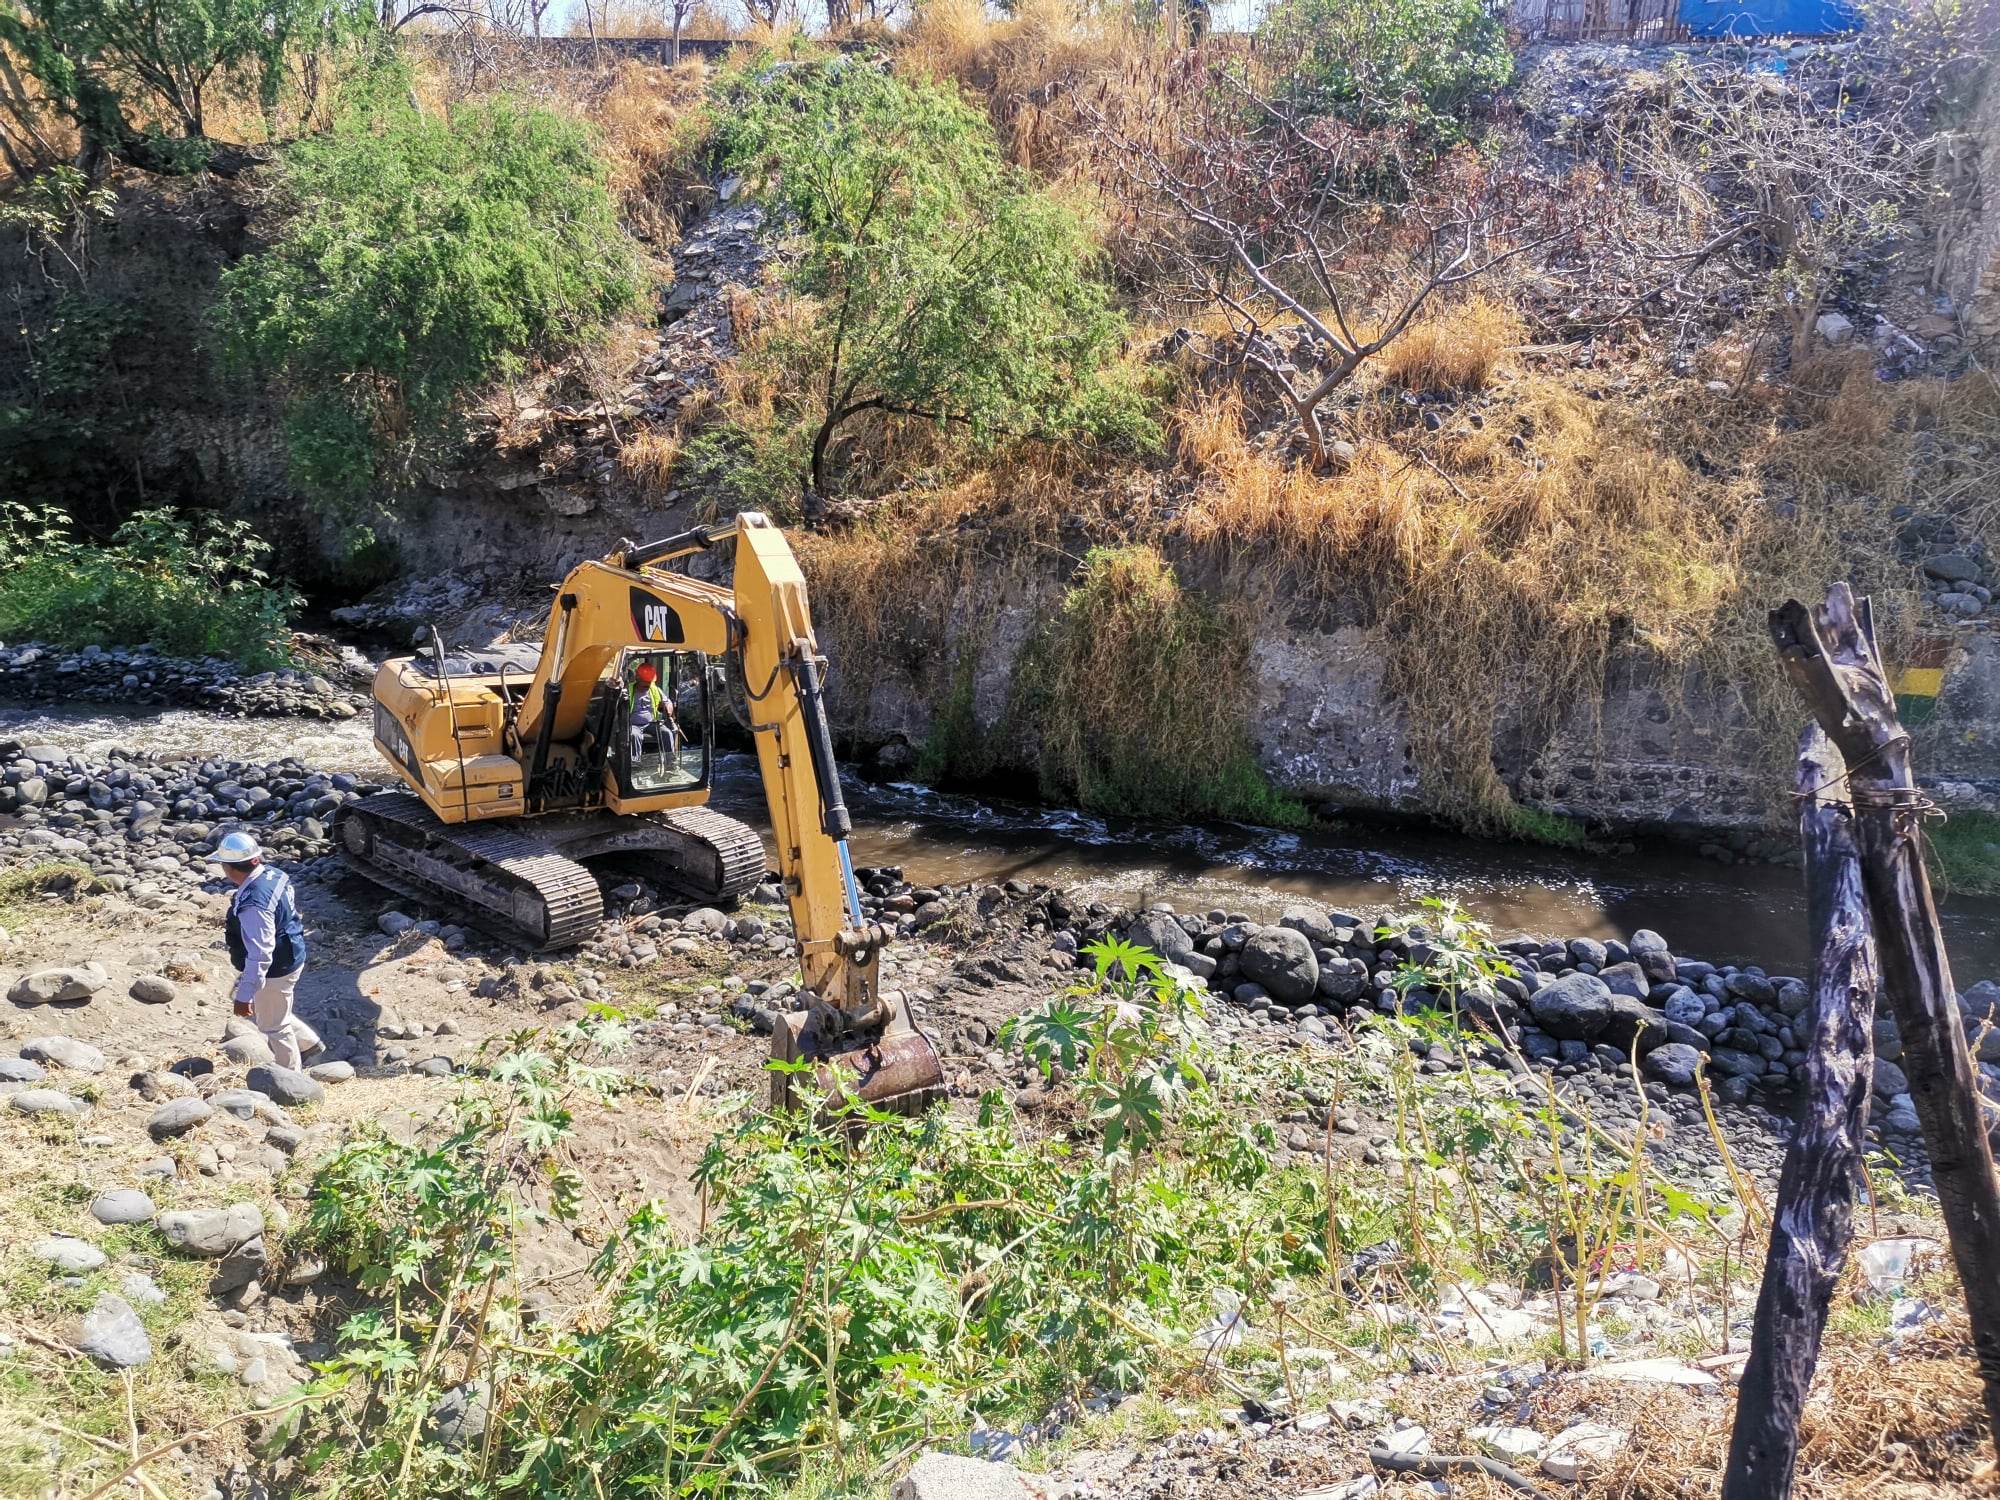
{"type": "Point", "coordinates": [1753, 18]}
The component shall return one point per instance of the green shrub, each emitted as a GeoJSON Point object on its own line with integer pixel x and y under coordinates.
{"type": "Point", "coordinates": [861, 1280]}
{"type": "Point", "coordinates": [1420, 64]}
{"type": "Point", "coordinates": [421, 258]}
{"type": "Point", "coordinates": [100, 61]}
{"type": "Point", "coordinates": [191, 587]}
{"type": "Point", "coordinates": [941, 284]}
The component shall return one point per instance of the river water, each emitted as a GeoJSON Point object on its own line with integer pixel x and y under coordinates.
{"type": "Point", "coordinates": [1726, 914]}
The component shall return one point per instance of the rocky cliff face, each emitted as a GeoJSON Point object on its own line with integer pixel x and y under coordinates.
{"type": "Point", "coordinates": [1653, 751]}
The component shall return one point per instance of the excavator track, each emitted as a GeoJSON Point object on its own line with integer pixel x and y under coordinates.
{"type": "Point", "coordinates": [532, 887]}
{"type": "Point", "coordinates": [494, 876]}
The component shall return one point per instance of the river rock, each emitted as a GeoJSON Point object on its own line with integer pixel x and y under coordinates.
{"type": "Point", "coordinates": [64, 1052]}
{"type": "Point", "coordinates": [140, 1288]}
{"type": "Point", "coordinates": [156, 1087]}
{"type": "Point", "coordinates": [121, 1206]}
{"type": "Point", "coordinates": [1159, 931]}
{"type": "Point", "coordinates": [112, 1334]}
{"type": "Point", "coordinates": [1626, 979]}
{"type": "Point", "coordinates": [177, 1117]}
{"type": "Point", "coordinates": [460, 1415]}
{"type": "Point", "coordinates": [1733, 1062]}
{"type": "Point", "coordinates": [1315, 925]}
{"type": "Point", "coordinates": [58, 986]}
{"type": "Point", "coordinates": [1675, 1064]}
{"type": "Point", "coordinates": [948, 1476]}
{"type": "Point", "coordinates": [250, 1051]}
{"type": "Point", "coordinates": [1282, 961]}
{"type": "Point", "coordinates": [153, 989]}
{"type": "Point", "coordinates": [68, 1254]}
{"type": "Point", "coordinates": [331, 1072]}
{"type": "Point", "coordinates": [47, 1102]}
{"type": "Point", "coordinates": [1572, 1007]}
{"type": "Point", "coordinates": [286, 1085]}
{"type": "Point", "coordinates": [19, 1070]}
{"type": "Point", "coordinates": [211, 1233]}
{"type": "Point", "coordinates": [1582, 1450]}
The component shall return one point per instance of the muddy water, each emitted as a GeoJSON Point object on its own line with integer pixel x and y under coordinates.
{"type": "Point", "coordinates": [1739, 913]}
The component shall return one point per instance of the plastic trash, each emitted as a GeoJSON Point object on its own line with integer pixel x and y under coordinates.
{"type": "Point", "coordinates": [1885, 1265]}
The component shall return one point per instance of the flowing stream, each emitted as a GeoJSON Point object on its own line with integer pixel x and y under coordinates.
{"type": "Point", "coordinates": [1724, 913]}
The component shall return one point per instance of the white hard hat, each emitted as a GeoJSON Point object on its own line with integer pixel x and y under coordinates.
{"type": "Point", "coordinates": [237, 848]}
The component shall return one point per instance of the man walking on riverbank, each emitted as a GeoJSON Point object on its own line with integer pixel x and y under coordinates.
{"type": "Point", "coordinates": [267, 943]}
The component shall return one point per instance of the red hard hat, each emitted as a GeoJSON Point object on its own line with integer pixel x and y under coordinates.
{"type": "Point", "coordinates": [647, 671]}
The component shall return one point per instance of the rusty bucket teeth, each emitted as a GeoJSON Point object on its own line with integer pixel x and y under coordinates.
{"type": "Point", "coordinates": [892, 1067]}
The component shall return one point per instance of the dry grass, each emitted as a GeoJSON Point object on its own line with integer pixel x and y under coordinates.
{"type": "Point", "coordinates": [1454, 348]}
{"type": "Point", "coordinates": [1509, 562]}
{"type": "Point", "coordinates": [655, 123]}
{"type": "Point", "coordinates": [1026, 67]}
{"type": "Point", "coordinates": [648, 459]}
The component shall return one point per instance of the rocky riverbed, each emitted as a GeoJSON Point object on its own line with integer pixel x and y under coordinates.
{"type": "Point", "coordinates": [35, 672]}
{"type": "Point", "coordinates": [171, 1151]}
{"type": "Point", "coordinates": [1578, 1009]}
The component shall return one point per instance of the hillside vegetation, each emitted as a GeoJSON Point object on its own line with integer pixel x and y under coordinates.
{"type": "Point", "coordinates": [1350, 320]}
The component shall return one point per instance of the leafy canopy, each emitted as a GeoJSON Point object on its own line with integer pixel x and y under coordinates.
{"type": "Point", "coordinates": [165, 60]}
{"type": "Point", "coordinates": [422, 258]}
{"type": "Point", "coordinates": [1418, 64]}
{"type": "Point", "coordinates": [945, 286]}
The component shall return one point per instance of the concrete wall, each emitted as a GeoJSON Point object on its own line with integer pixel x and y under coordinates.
{"type": "Point", "coordinates": [1973, 271]}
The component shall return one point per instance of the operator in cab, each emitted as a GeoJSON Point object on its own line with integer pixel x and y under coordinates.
{"type": "Point", "coordinates": [652, 713]}
{"type": "Point", "coordinates": [267, 943]}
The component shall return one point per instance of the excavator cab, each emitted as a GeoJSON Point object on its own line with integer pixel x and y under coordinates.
{"type": "Point", "coordinates": [668, 722]}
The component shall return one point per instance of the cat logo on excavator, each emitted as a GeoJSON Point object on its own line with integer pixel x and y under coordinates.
{"type": "Point", "coordinates": [654, 620]}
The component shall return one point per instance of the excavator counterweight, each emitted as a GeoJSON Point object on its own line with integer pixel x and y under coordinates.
{"type": "Point", "coordinates": [523, 762]}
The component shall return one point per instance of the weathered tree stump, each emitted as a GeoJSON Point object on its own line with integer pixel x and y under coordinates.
{"type": "Point", "coordinates": [1832, 659]}
{"type": "Point", "coordinates": [1811, 1225]}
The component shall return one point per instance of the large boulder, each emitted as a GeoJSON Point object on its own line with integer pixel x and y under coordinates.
{"type": "Point", "coordinates": [1282, 961]}
{"type": "Point", "coordinates": [1573, 1007]}
{"type": "Point", "coordinates": [71, 986]}
{"type": "Point", "coordinates": [1159, 931]}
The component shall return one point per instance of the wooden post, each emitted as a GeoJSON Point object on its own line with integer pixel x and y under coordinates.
{"type": "Point", "coordinates": [1832, 659]}
{"type": "Point", "coordinates": [1816, 1193]}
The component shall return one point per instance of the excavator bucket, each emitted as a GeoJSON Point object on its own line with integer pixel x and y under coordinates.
{"type": "Point", "coordinates": [892, 1067]}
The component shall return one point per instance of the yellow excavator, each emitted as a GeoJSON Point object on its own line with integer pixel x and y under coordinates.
{"type": "Point", "coordinates": [525, 761]}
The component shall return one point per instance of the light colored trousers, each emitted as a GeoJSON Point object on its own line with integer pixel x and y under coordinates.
{"type": "Point", "coordinates": [271, 1010]}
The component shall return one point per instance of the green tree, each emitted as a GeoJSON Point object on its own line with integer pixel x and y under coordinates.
{"type": "Point", "coordinates": [945, 286]}
{"type": "Point", "coordinates": [104, 62]}
{"type": "Point", "coordinates": [421, 258]}
{"type": "Point", "coordinates": [1411, 63]}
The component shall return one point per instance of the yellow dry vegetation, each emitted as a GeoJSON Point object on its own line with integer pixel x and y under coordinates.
{"type": "Point", "coordinates": [1025, 66]}
{"type": "Point", "coordinates": [1507, 559]}
{"type": "Point", "coordinates": [1453, 348]}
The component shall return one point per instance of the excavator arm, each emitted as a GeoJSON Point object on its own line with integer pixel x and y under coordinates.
{"type": "Point", "coordinates": [860, 1041]}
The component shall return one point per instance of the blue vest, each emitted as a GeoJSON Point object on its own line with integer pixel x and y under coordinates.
{"type": "Point", "coordinates": [269, 889]}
